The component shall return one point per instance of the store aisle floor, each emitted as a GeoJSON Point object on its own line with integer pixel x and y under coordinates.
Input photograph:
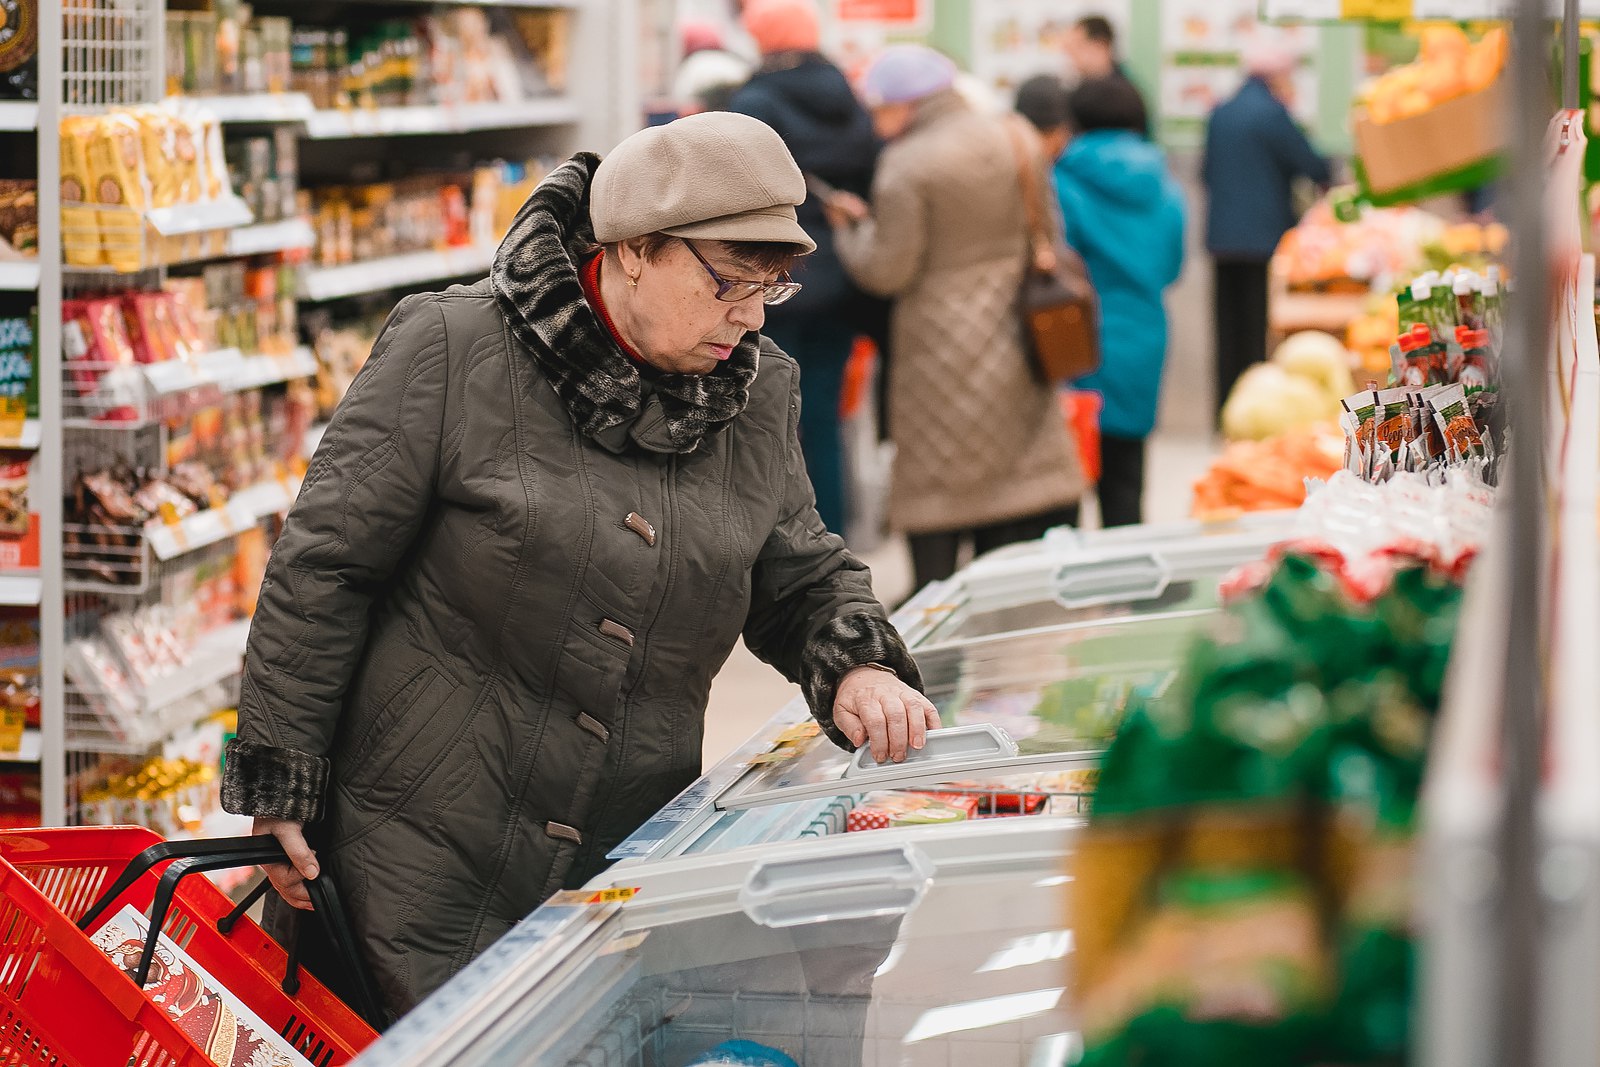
{"type": "Point", "coordinates": [747, 691]}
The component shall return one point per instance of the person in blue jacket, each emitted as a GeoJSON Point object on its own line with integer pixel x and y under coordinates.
{"type": "Point", "coordinates": [1124, 214]}
{"type": "Point", "coordinates": [1253, 154]}
{"type": "Point", "coordinates": [809, 102]}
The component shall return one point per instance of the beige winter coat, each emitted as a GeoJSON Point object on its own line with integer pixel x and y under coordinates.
{"type": "Point", "coordinates": [979, 439]}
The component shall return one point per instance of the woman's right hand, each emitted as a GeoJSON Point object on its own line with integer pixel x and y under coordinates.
{"type": "Point", "coordinates": [289, 879]}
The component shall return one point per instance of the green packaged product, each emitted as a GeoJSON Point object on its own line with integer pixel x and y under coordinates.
{"type": "Point", "coordinates": [1243, 893]}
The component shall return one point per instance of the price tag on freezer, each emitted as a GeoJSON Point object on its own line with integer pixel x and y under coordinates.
{"type": "Point", "coordinates": [614, 895]}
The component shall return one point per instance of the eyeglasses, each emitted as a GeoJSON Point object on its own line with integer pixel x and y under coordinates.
{"type": "Point", "coordinates": [734, 290]}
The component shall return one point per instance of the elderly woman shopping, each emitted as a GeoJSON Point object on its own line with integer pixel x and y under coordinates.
{"type": "Point", "coordinates": [549, 506]}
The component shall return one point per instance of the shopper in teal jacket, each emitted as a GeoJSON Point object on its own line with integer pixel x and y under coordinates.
{"type": "Point", "coordinates": [1124, 214]}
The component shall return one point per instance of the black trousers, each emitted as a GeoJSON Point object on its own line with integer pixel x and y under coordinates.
{"type": "Point", "coordinates": [1241, 321]}
{"type": "Point", "coordinates": [1121, 488]}
{"type": "Point", "coordinates": [934, 556]}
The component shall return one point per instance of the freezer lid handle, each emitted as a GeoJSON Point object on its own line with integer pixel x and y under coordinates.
{"type": "Point", "coordinates": [951, 744]}
{"type": "Point", "coordinates": [858, 884]}
{"type": "Point", "coordinates": [1143, 576]}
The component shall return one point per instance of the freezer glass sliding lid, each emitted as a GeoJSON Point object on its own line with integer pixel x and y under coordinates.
{"type": "Point", "coordinates": [1064, 582]}
{"type": "Point", "coordinates": [1028, 702]}
{"type": "Point", "coordinates": [875, 951]}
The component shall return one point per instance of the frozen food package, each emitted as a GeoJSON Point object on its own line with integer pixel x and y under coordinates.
{"type": "Point", "coordinates": [882, 811]}
{"type": "Point", "coordinates": [217, 1021]}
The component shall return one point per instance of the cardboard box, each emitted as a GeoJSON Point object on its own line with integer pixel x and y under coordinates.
{"type": "Point", "coordinates": [1450, 137]}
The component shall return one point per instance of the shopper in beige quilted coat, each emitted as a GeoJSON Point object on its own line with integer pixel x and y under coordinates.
{"type": "Point", "coordinates": [982, 450]}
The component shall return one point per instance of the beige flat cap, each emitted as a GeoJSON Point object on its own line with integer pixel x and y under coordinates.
{"type": "Point", "coordinates": [716, 176]}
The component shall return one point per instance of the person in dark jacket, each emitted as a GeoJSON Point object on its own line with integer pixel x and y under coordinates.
{"type": "Point", "coordinates": [1254, 152]}
{"type": "Point", "coordinates": [1124, 214]}
{"type": "Point", "coordinates": [1091, 45]}
{"type": "Point", "coordinates": [807, 100]}
{"type": "Point", "coordinates": [540, 520]}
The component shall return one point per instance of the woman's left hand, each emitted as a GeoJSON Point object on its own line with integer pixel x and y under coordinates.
{"type": "Point", "coordinates": [874, 706]}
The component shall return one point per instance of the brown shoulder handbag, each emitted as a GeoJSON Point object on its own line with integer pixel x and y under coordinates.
{"type": "Point", "coordinates": [1060, 311]}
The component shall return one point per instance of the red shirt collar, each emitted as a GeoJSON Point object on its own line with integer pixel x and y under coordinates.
{"type": "Point", "coordinates": [590, 276]}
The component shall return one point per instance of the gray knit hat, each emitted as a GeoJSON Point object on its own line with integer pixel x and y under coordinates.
{"type": "Point", "coordinates": [717, 176]}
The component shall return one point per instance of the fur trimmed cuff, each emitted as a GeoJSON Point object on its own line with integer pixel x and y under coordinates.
{"type": "Point", "coordinates": [848, 642]}
{"type": "Point", "coordinates": [273, 783]}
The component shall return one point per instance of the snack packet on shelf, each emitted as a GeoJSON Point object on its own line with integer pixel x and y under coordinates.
{"type": "Point", "coordinates": [118, 182]}
{"type": "Point", "coordinates": [1463, 440]}
{"type": "Point", "coordinates": [80, 226]}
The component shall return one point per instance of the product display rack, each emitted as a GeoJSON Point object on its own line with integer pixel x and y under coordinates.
{"type": "Point", "coordinates": [96, 56]}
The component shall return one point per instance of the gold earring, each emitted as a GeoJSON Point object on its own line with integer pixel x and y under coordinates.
{"type": "Point", "coordinates": [633, 283]}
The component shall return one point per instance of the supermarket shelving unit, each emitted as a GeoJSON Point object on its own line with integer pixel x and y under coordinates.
{"type": "Point", "coordinates": [95, 55]}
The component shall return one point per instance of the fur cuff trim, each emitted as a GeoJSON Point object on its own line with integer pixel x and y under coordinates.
{"type": "Point", "coordinates": [844, 644]}
{"type": "Point", "coordinates": [273, 783]}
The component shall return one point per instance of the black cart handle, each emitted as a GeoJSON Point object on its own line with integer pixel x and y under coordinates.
{"type": "Point", "coordinates": [222, 853]}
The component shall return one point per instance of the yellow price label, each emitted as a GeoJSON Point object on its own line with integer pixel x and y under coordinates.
{"type": "Point", "coordinates": [615, 895]}
{"type": "Point", "coordinates": [1376, 10]}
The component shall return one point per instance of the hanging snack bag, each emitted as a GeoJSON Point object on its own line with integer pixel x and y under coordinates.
{"type": "Point", "coordinates": [95, 345]}
{"type": "Point", "coordinates": [158, 140]}
{"type": "Point", "coordinates": [1462, 437]}
{"type": "Point", "coordinates": [152, 318]}
{"type": "Point", "coordinates": [1360, 422]}
{"type": "Point", "coordinates": [80, 228]}
{"type": "Point", "coordinates": [117, 181]}
{"type": "Point", "coordinates": [1394, 427]}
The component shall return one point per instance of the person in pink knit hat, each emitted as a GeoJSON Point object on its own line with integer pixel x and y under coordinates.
{"type": "Point", "coordinates": [779, 26]}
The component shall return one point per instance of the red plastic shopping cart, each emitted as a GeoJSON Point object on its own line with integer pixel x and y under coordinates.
{"type": "Point", "coordinates": [64, 1002]}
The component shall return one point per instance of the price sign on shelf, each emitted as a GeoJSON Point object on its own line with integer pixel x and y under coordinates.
{"type": "Point", "coordinates": [1377, 10]}
{"type": "Point", "coordinates": [616, 895]}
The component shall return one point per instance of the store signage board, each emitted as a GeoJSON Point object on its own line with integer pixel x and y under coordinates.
{"type": "Point", "coordinates": [911, 13]}
{"type": "Point", "coordinates": [1202, 45]}
{"type": "Point", "coordinates": [1013, 40]}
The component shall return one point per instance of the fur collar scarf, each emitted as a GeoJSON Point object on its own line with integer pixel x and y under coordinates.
{"type": "Point", "coordinates": [537, 286]}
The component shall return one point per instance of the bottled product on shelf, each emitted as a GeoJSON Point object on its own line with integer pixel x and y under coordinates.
{"type": "Point", "coordinates": [452, 58]}
{"type": "Point", "coordinates": [426, 212]}
{"type": "Point", "coordinates": [265, 171]}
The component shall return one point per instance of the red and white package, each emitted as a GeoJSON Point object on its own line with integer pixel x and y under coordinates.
{"type": "Point", "coordinates": [882, 811]}
{"type": "Point", "coordinates": [221, 1024]}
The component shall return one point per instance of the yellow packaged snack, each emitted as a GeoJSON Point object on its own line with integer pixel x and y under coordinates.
{"type": "Point", "coordinates": [158, 138]}
{"type": "Point", "coordinates": [213, 160]}
{"type": "Point", "coordinates": [117, 181]}
{"type": "Point", "coordinates": [80, 229]}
